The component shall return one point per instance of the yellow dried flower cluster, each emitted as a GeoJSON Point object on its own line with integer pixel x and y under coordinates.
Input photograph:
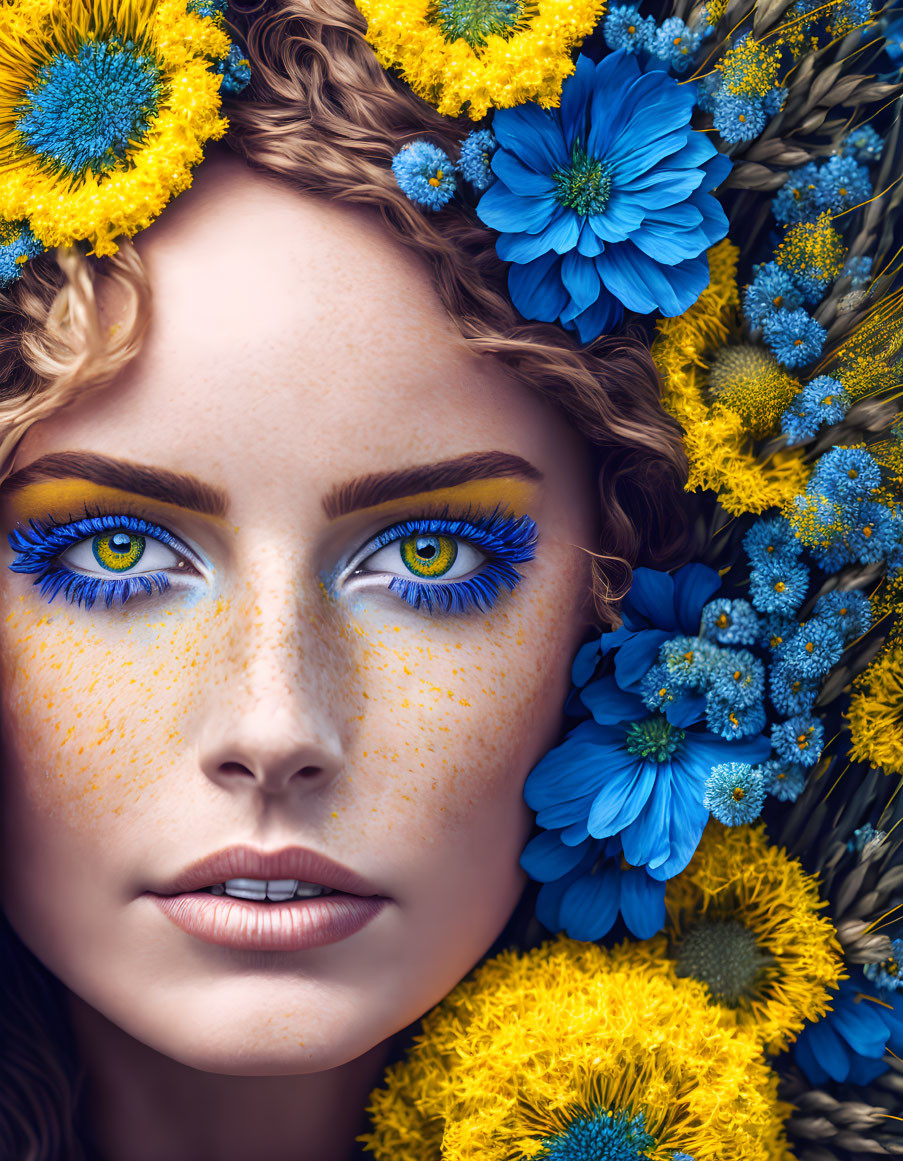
{"type": "Point", "coordinates": [717, 438]}
{"type": "Point", "coordinates": [812, 249]}
{"type": "Point", "coordinates": [457, 76]}
{"type": "Point", "coordinates": [868, 362]}
{"type": "Point", "coordinates": [532, 1044]}
{"type": "Point", "coordinates": [739, 883]}
{"type": "Point", "coordinates": [98, 208]}
{"type": "Point", "coordinates": [875, 712]}
{"type": "Point", "coordinates": [750, 382]}
{"type": "Point", "coordinates": [751, 67]}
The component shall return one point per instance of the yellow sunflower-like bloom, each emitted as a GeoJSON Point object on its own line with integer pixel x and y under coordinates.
{"type": "Point", "coordinates": [875, 712]}
{"type": "Point", "coordinates": [104, 110]}
{"type": "Point", "coordinates": [572, 1051]}
{"type": "Point", "coordinates": [473, 55]}
{"type": "Point", "coordinates": [744, 919]}
{"type": "Point", "coordinates": [723, 402]}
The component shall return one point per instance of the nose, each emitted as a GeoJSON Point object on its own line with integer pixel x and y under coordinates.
{"type": "Point", "coordinates": [273, 696]}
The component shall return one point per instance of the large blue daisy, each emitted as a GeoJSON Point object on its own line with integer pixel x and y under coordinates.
{"type": "Point", "coordinates": [605, 202]}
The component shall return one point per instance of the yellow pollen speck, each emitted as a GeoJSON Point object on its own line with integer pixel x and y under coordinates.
{"type": "Point", "coordinates": [738, 794]}
{"type": "Point", "coordinates": [737, 675]}
{"type": "Point", "coordinates": [742, 117]}
{"type": "Point", "coordinates": [810, 646]}
{"type": "Point", "coordinates": [867, 531]}
{"type": "Point", "coordinates": [722, 621]}
{"type": "Point", "coordinates": [733, 718]}
{"type": "Point", "coordinates": [779, 587]}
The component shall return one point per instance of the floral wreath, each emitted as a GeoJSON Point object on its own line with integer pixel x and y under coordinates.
{"type": "Point", "coordinates": [717, 846]}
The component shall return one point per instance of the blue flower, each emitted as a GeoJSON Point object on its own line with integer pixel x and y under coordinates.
{"type": "Point", "coordinates": [739, 118]}
{"type": "Point", "coordinates": [858, 270]}
{"type": "Point", "coordinates": [849, 1043]}
{"type": "Point", "coordinates": [813, 650]}
{"type": "Point", "coordinates": [820, 403]}
{"type": "Point", "coordinates": [845, 473]}
{"type": "Point", "coordinates": [425, 173]}
{"type": "Point", "coordinates": [889, 973]}
{"type": "Point", "coordinates": [795, 201]}
{"type": "Point", "coordinates": [850, 611]}
{"type": "Point", "coordinates": [775, 631]}
{"type": "Point", "coordinates": [794, 337]}
{"type": "Point", "coordinates": [771, 289]}
{"type": "Point", "coordinates": [771, 539]}
{"type": "Point", "coordinates": [784, 781]}
{"type": "Point", "coordinates": [799, 740]}
{"type": "Point", "coordinates": [739, 679]}
{"type": "Point", "coordinates": [207, 8]}
{"type": "Point", "coordinates": [602, 1135]}
{"type": "Point", "coordinates": [779, 585]}
{"type": "Point", "coordinates": [893, 43]}
{"type": "Point", "coordinates": [236, 72]}
{"type": "Point", "coordinates": [605, 202]}
{"type": "Point", "coordinates": [730, 622]}
{"type": "Point", "coordinates": [790, 694]}
{"type": "Point", "coordinates": [863, 143]}
{"type": "Point", "coordinates": [585, 888]}
{"type": "Point", "coordinates": [17, 245]}
{"type": "Point", "coordinates": [691, 662]}
{"type": "Point", "coordinates": [623, 27]}
{"type": "Point", "coordinates": [476, 155]}
{"type": "Point", "coordinates": [675, 44]}
{"type": "Point", "coordinates": [731, 721]}
{"type": "Point", "coordinates": [842, 183]}
{"type": "Point", "coordinates": [734, 793]}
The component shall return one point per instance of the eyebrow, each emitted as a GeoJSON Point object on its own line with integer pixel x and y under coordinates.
{"type": "Point", "coordinates": [368, 491]}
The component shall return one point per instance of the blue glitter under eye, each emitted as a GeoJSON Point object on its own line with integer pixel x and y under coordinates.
{"type": "Point", "coordinates": [37, 550]}
{"type": "Point", "coordinates": [505, 539]}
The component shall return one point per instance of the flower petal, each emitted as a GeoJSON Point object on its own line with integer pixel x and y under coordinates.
{"type": "Point", "coordinates": [623, 796]}
{"type": "Point", "coordinates": [510, 213]}
{"type": "Point", "coordinates": [590, 906]}
{"type": "Point", "coordinates": [536, 288]}
{"type": "Point", "coordinates": [546, 858]}
{"type": "Point", "coordinates": [642, 902]}
{"type": "Point", "coordinates": [609, 703]}
{"type": "Point", "coordinates": [532, 134]}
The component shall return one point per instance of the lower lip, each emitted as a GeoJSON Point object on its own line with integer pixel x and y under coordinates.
{"type": "Point", "coordinates": [293, 926]}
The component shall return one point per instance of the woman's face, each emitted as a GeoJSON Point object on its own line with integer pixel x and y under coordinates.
{"type": "Point", "coordinates": [272, 692]}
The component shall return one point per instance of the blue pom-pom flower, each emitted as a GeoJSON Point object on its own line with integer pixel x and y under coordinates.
{"type": "Point", "coordinates": [425, 174]}
{"type": "Point", "coordinates": [735, 793]}
{"type": "Point", "coordinates": [475, 157]}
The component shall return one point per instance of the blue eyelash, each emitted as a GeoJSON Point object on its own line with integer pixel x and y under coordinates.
{"type": "Point", "coordinates": [507, 539]}
{"type": "Point", "coordinates": [38, 549]}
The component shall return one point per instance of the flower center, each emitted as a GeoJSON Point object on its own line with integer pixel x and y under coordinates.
{"type": "Point", "coordinates": [724, 955]}
{"type": "Point", "coordinates": [84, 111]}
{"type": "Point", "coordinates": [654, 738]}
{"type": "Point", "coordinates": [600, 1136]}
{"type": "Point", "coordinates": [476, 20]}
{"type": "Point", "coordinates": [584, 185]}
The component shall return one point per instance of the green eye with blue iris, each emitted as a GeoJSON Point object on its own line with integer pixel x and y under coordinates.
{"type": "Point", "coordinates": [118, 551]}
{"type": "Point", "coordinates": [429, 556]}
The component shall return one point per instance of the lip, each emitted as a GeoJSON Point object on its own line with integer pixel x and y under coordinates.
{"type": "Point", "coordinates": [242, 862]}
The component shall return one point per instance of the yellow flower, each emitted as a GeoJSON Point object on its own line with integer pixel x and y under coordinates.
{"type": "Point", "coordinates": [570, 1045]}
{"type": "Point", "coordinates": [104, 111]}
{"type": "Point", "coordinates": [875, 713]}
{"type": "Point", "coordinates": [744, 918]}
{"type": "Point", "coordinates": [721, 413]}
{"type": "Point", "coordinates": [473, 55]}
{"type": "Point", "coordinates": [812, 250]}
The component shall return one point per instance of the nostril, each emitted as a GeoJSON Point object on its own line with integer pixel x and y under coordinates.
{"type": "Point", "coordinates": [236, 768]}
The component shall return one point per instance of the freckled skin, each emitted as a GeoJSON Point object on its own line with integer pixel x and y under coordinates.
{"type": "Point", "coordinates": [258, 705]}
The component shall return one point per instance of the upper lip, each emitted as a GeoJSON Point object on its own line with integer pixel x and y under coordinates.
{"type": "Point", "coordinates": [249, 863]}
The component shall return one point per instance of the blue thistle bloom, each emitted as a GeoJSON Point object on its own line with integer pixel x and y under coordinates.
{"type": "Point", "coordinates": [771, 539]}
{"type": "Point", "coordinates": [236, 72]}
{"type": "Point", "coordinates": [475, 157]}
{"type": "Point", "coordinates": [425, 174]}
{"type": "Point", "coordinates": [739, 679]}
{"type": "Point", "coordinates": [771, 289]}
{"type": "Point", "coordinates": [739, 118]}
{"type": "Point", "coordinates": [864, 143]}
{"type": "Point", "coordinates": [675, 44]}
{"type": "Point", "coordinates": [845, 473]}
{"type": "Point", "coordinates": [794, 337]}
{"type": "Point", "coordinates": [730, 622]}
{"type": "Point", "coordinates": [795, 200]}
{"type": "Point", "coordinates": [784, 781]}
{"type": "Point", "coordinates": [623, 27]}
{"type": "Point", "coordinates": [889, 972]}
{"type": "Point", "coordinates": [790, 694]}
{"type": "Point", "coordinates": [605, 202]}
{"type": "Point", "coordinates": [84, 111]}
{"type": "Point", "coordinates": [799, 739]}
{"type": "Point", "coordinates": [735, 793]}
{"type": "Point", "coordinates": [841, 184]}
{"type": "Point", "coordinates": [601, 1135]}
{"type": "Point", "coordinates": [731, 721]}
{"type": "Point", "coordinates": [17, 245]}
{"type": "Point", "coordinates": [858, 270]}
{"type": "Point", "coordinates": [848, 610]}
{"type": "Point", "coordinates": [813, 650]}
{"type": "Point", "coordinates": [779, 585]}
{"type": "Point", "coordinates": [820, 403]}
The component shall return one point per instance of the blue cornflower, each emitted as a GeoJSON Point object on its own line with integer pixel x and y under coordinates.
{"type": "Point", "coordinates": [799, 739]}
{"type": "Point", "coordinates": [841, 184]}
{"type": "Point", "coordinates": [730, 622]}
{"type": "Point", "coordinates": [623, 27]}
{"type": "Point", "coordinates": [17, 245]}
{"type": "Point", "coordinates": [872, 533]}
{"type": "Point", "coordinates": [771, 289]}
{"type": "Point", "coordinates": [778, 585]}
{"type": "Point", "coordinates": [790, 694]}
{"type": "Point", "coordinates": [813, 650]}
{"type": "Point", "coordinates": [893, 41]}
{"type": "Point", "coordinates": [675, 44]}
{"type": "Point", "coordinates": [739, 117]}
{"type": "Point", "coordinates": [605, 202]}
{"type": "Point", "coordinates": [794, 337]}
{"type": "Point", "coordinates": [820, 403]}
{"type": "Point", "coordinates": [739, 678]}
{"type": "Point", "coordinates": [795, 201]}
{"type": "Point", "coordinates": [425, 173]}
{"type": "Point", "coordinates": [849, 1042]}
{"type": "Point", "coordinates": [236, 72]}
{"type": "Point", "coordinates": [585, 888]}
{"type": "Point", "coordinates": [692, 662]}
{"type": "Point", "coordinates": [845, 473]}
{"type": "Point", "coordinates": [729, 720]}
{"type": "Point", "coordinates": [889, 973]}
{"type": "Point", "coordinates": [849, 611]}
{"type": "Point", "coordinates": [475, 157]}
{"type": "Point", "coordinates": [770, 539]}
{"type": "Point", "coordinates": [864, 143]}
{"type": "Point", "coordinates": [660, 687]}
{"type": "Point", "coordinates": [734, 793]}
{"type": "Point", "coordinates": [858, 270]}
{"type": "Point", "coordinates": [776, 630]}
{"type": "Point", "coordinates": [784, 781]}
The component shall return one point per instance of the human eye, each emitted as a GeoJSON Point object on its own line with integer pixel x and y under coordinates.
{"type": "Point", "coordinates": [103, 555]}
{"type": "Point", "coordinates": [446, 564]}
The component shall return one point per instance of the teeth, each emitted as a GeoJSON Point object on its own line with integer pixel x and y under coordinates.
{"type": "Point", "coordinates": [311, 890]}
{"type": "Point", "coordinates": [274, 890]}
{"type": "Point", "coordinates": [281, 890]}
{"type": "Point", "coordinates": [255, 889]}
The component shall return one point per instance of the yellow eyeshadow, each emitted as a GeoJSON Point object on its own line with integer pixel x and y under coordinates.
{"type": "Point", "coordinates": [64, 500]}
